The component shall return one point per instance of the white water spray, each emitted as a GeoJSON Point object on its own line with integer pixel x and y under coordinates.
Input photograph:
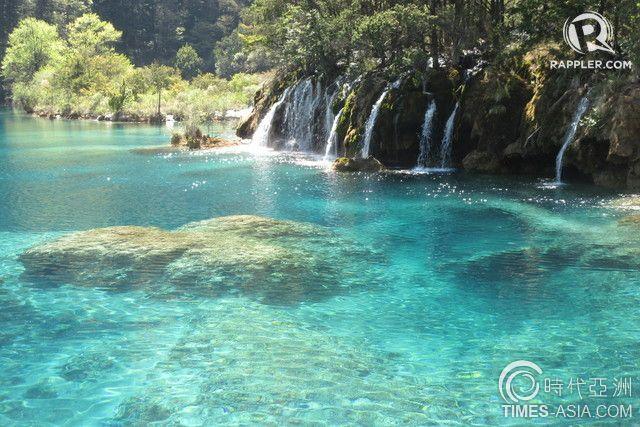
{"type": "Point", "coordinates": [445, 148]}
{"type": "Point", "coordinates": [570, 134]}
{"type": "Point", "coordinates": [331, 148]}
{"type": "Point", "coordinates": [373, 118]}
{"type": "Point", "coordinates": [299, 115]}
{"type": "Point", "coordinates": [371, 123]}
{"type": "Point", "coordinates": [425, 135]}
{"type": "Point", "coordinates": [261, 135]}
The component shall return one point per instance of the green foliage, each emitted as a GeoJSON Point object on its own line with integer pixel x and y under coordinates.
{"type": "Point", "coordinates": [188, 62]}
{"type": "Point", "coordinates": [88, 35]}
{"type": "Point", "coordinates": [240, 54]}
{"type": "Point", "coordinates": [159, 77]}
{"type": "Point", "coordinates": [356, 36]}
{"type": "Point", "coordinates": [66, 11]}
{"type": "Point", "coordinates": [126, 88]}
{"type": "Point", "coordinates": [82, 74]}
{"type": "Point", "coordinates": [156, 30]}
{"type": "Point", "coordinates": [32, 45]}
{"type": "Point", "coordinates": [397, 35]}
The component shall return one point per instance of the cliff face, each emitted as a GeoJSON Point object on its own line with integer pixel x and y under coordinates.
{"type": "Point", "coordinates": [511, 120]}
{"type": "Point", "coordinates": [262, 101]}
{"type": "Point", "coordinates": [524, 131]}
{"type": "Point", "coordinates": [604, 150]}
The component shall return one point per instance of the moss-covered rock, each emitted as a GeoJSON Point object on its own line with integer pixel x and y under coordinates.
{"type": "Point", "coordinates": [395, 137]}
{"type": "Point", "coordinates": [491, 119]}
{"type": "Point", "coordinates": [358, 107]}
{"type": "Point", "coordinates": [357, 164]}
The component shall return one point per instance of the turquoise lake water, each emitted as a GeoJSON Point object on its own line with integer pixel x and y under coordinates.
{"type": "Point", "coordinates": [441, 281]}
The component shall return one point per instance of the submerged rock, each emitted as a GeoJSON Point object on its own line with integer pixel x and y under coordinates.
{"type": "Point", "coordinates": [628, 203]}
{"type": "Point", "coordinates": [346, 164]}
{"type": "Point", "coordinates": [153, 151]}
{"type": "Point", "coordinates": [633, 220]}
{"type": "Point", "coordinates": [277, 262]}
{"type": "Point", "coordinates": [249, 364]}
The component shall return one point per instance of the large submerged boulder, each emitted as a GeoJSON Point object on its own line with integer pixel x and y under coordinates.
{"type": "Point", "coordinates": [276, 262]}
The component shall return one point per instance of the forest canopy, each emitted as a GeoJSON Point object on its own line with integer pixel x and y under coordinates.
{"type": "Point", "coordinates": [96, 54]}
{"type": "Point", "coordinates": [320, 35]}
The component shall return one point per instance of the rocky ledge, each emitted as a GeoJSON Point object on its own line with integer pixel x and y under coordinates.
{"type": "Point", "coordinates": [272, 261]}
{"type": "Point", "coordinates": [502, 118]}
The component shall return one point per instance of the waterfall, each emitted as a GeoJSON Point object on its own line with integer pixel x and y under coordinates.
{"type": "Point", "coordinates": [570, 134]}
{"type": "Point", "coordinates": [371, 123]}
{"type": "Point", "coordinates": [373, 117]}
{"type": "Point", "coordinates": [300, 114]}
{"type": "Point", "coordinates": [329, 116]}
{"type": "Point", "coordinates": [445, 148]}
{"type": "Point", "coordinates": [332, 140]}
{"type": "Point", "coordinates": [261, 135]}
{"type": "Point", "coordinates": [425, 135]}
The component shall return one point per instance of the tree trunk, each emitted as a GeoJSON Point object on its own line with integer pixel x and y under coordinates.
{"type": "Point", "coordinates": [159, 99]}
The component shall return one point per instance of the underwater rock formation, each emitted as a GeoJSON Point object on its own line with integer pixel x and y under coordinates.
{"type": "Point", "coordinates": [275, 262]}
{"type": "Point", "coordinates": [258, 365]}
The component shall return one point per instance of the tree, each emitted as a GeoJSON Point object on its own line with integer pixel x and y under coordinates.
{"type": "Point", "coordinates": [188, 62]}
{"type": "Point", "coordinates": [88, 35]}
{"type": "Point", "coordinates": [129, 87]}
{"type": "Point", "coordinates": [392, 36]}
{"type": "Point", "coordinates": [161, 27]}
{"type": "Point", "coordinates": [89, 63]}
{"type": "Point", "coordinates": [67, 11]}
{"type": "Point", "coordinates": [32, 45]}
{"type": "Point", "coordinates": [159, 77]}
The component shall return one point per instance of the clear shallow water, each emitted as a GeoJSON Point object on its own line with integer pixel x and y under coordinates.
{"type": "Point", "coordinates": [461, 276]}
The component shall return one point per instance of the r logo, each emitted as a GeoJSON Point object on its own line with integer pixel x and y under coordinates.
{"type": "Point", "coordinates": [588, 32]}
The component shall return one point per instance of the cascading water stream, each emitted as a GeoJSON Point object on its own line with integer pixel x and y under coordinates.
{"type": "Point", "coordinates": [261, 135]}
{"type": "Point", "coordinates": [445, 148]}
{"type": "Point", "coordinates": [329, 116]}
{"type": "Point", "coordinates": [373, 118]}
{"type": "Point", "coordinates": [332, 141]}
{"type": "Point", "coordinates": [425, 135]}
{"type": "Point", "coordinates": [299, 115]}
{"type": "Point", "coordinates": [371, 123]}
{"type": "Point", "coordinates": [570, 134]}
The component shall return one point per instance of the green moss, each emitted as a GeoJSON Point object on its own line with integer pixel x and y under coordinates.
{"type": "Point", "coordinates": [349, 134]}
